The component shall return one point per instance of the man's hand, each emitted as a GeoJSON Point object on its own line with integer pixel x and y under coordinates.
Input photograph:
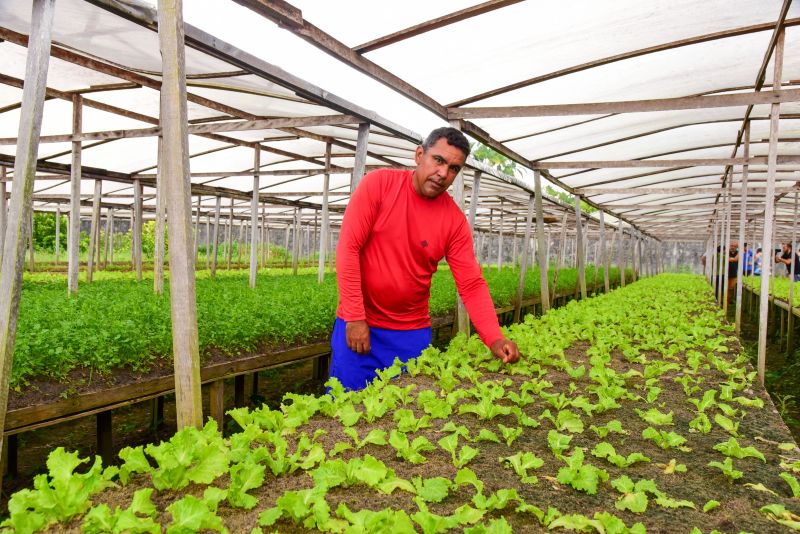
{"type": "Point", "coordinates": [357, 336]}
{"type": "Point", "coordinates": [506, 350]}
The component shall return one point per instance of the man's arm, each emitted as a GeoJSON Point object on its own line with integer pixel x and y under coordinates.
{"type": "Point", "coordinates": [359, 217]}
{"type": "Point", "coordinates": [475, 293]}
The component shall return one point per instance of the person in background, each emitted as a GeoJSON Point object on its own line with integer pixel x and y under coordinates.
{"type": "Point", "coordinates": [786, 259]}
{"type": "Point", "coordinates": [733, 267]}
{"type": "Point", "coordinates": [747, 268]}
{"type": "Point", "coordinates": [398, 226]}
{"type": "Point", "coordinates": [757, 262]}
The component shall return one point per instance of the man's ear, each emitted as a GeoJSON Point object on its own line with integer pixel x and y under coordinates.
{"type": "Point", "coordinates": [418, 154]}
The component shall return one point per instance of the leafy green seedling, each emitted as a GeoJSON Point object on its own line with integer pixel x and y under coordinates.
{"type": "Point", "coordinates": [634, 495]}
{"type": "Point", "coordinates": [460, 457]}
{"type": "Point", "coordinates": [606, 450]}
{"type": "Point", "coordinates": [701, 423]}
{"type": "Point", "coordinates": [710, 505]}
{"type": "Point", "coordinates": [521, 462]}
{"type": "Point", "coordinates": [433, 489]}
{"type": "Point", "coordinates": [137, 518]}
{"type": "Point", "coordinates": [510, 434]}
{"type": "Point", "coordinates": [191, 514]}
{"type": "Point", "coordinates": [664, 439]}
{"type": "Point", "coordinates": [566, 420]}
{"type": "Point", "coordinates": [386, 520]}
{"type": "Point", "coordinates": [727, 425]}
{"type": "Point", "coordinates": [467, 476]}
{"type": "Point", "coordinates": [732, 448]}
{"type": "Point", "coordinates": [612, 426]}
{"type": "Point", "coordinates": [655, 417]}
{"type": "Point", "coordinates": [558, 443]}
{"type": "Point", "coordinates": [406, 422]}
{"type": "Point", "coordinates": [487, 435]}
{"type": "Point", "coordinates": [794, 485]}
{"type": "Point", "coordinates": [485, 409]}
{"type": "Point", "coordinates": [727, 469]}
{"type": "Point", "coordinates": [708, 400]}
{"type": "Point", "coordinates": [779, 514]}
{"type": "Point", "coordinates": [410, 451]}
{"type": "Point", "coordinates": [672, 467]}
{"type": "Point", "coordinates": [582, 477]}
{"type": "Point", "coordinates": [433, 405]}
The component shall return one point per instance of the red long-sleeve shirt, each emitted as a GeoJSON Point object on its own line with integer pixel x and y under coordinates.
{"type": "Point", "coordinates": [391, 243]}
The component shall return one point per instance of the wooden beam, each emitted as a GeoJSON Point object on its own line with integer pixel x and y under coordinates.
{"type": "Point", "coordinates": [160, 244]}
{"type": "Point", "coordinates": [94, 231]}
{"type": "Point", "coordinates": [325, 233]}
{"type": "Point", "coordinates": [228, 126]}
{"type": "Point", "coordinates": [433, 24]}
{"type": "Point", "coordinates": [215, 243]}
{"type": "Point", "coordinates": [628, 106]}
{"type": "Point", "coordinates": [740, 269]}
{"type": "Point", "coordinates": [589, 191]}
{"type": "Point", "coordinates": [544, 294]}
{"type": "Point", "coordinates": [185, 341]}
{"type": "Point", "coordinates": [579, 247]}
{"type": "Point", "coordinates": [254, 218]}
{"type": "Point", "coordinates": [653, 163]}
{"type": "Point", "coordinates": [525, 255]}
{"type": "Point", "coordinates": [30, 123]}
{"type": "Point", "coordinates": [361, 155]}
{"type": "Point", "coordinates": [734, 32]}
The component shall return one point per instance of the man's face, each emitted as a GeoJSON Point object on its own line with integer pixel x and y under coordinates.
{"type": "Point", "coordinates": [437, 168]}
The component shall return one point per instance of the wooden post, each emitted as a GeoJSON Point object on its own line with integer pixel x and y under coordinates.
{"type": "Point", "coordinates": [296, 239]}
{"type": "Point", "coordinates": [238, 391]}
{"type": "Point", "coordinates": [94, 229]}
{"type": "Point", "coordinates": [137, 226]}
{"type": "Point", "coordinates": [111, 239]}
{"type": "Point", "coordinates": [105, 437]}
{"type": "Point", "coordinates": [792, 274]}
{"type": "Point", "coordinates": [500, 238]}
{"type": "Point", "coordinates": [360, 160]}
{"type": "Point", "coordinates": [106, 239]}
{"type": "Point", "coordinates": [524, 265]}
{"type": "Point", "coordinates": [229, 238]}
{"type": "Point", "coordinates": [473, 206]}
{"type": "Point", "coordinates": [621, 258]}
{"type": "Point", "coordinates": [3, 226]}
{"type": "Point", "coordinates": [544, 293]}
{"type": "Point", "coordinates": [32, 261]}
{"type": "Point", "coordinates": [217, 210]}
{"type": "Point", "coordinates": [216, 401]}
{"type": "Point", "coordinates": [188, 401]}
{"type": "Point", "coordinates": [74, 235]}
{"type": "Point", "coordinates": [579, 247]}
{"type": "Point", "coordinates": [604, 254]}
{"type": "Point", "coordinates": [30, 123]}
{"type": "Point", "coordinates": [263, 238]}
{"type": "Point", "coordinates": [160, 244]}
{"type": "Point", "coordinates": [324, 237]}
{"type": "Point", "coordinates": [197, 232]}
{"type": "Point", "coordinates": [254, 217]}
{"type": "Point", "coordinates": [514, 246]}
{"type": "Point", "coordinates": [561, 251]}
{"type": "Point", "coordinates": [772, 161]}
{"type": "Point", "coordinates": [208, 241]}
{"type": "Point", "coordinates": [726, 253]}
{"type": "Point", "coordinates": [4, 215]}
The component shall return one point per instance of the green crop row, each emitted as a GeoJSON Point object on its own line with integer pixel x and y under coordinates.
{"type": "Point", "coordinates": [779, 287]}
{"type": "Point", "coordinates": [119, 322]}
{"type": "Point", "coordinates": [629, 412]}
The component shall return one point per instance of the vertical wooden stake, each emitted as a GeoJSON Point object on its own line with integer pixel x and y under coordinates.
{"type": "Point", "coordinates": [229, 238]}
{"type": "Point", "coordinates": [74, 235]}
{"type": "Point", "coordinates": [605, 256]}
{"type": "Point", "coordinates": [621, 261]}
{"type": "Point", "coordinates": [296, 239]}
{"type": "Point", "coordinates": [176, 178]}
{"type": "Point", "coordinates": [160, 242]}
{"type": "Point", "coordinates": [769, 210]}
{"type": "Point", "coordinates": [742, 218]}
{"type": "Point", "coordinates": [94, 229]}
{"type": "Point", "coordinates": [254, 216]}
{"type": "Point", "coordinates": [214, 245]}
{"type": "Point", "coordinates": [4, 215]}
{"type": "Point", "coordinates": [137, 225]}
{"type": "Point", "coordinates": [58, 227]}
{"type": "Point", "coordinates": [216, 401]}
{"type": "Point", "coordinates": [579, 247]}
{"type": "Point", "coordinates": [324, 237]}
{"type": "Point", "coordinates": [524, 266]}
{"type": "Point", "coordinates": [544, 293]}
{"type": "Point", "coordinates": [105, 440]}
{"type": "Point", "coordinates": [21, 205]}
{"type": "Point", "coordinates": [360, 160]}
{"type": "Point", "coordinates": [500, 238]}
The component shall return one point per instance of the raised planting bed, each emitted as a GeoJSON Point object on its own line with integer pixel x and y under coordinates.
{"type": "Point", "coordinates": [631, 412]}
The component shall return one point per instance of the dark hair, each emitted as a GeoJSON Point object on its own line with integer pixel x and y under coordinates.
{"type": "Point", "coordinates": [758, 249]}
{"type": "Point", "coordinates": [454, 138]}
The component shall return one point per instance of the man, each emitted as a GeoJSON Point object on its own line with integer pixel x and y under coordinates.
{"type": "Point", "coordinates": [786, 259]}
{"type": "Point", "coordinates": [747, 268]}
{"type": "Point", "coordinates": [397, 227]}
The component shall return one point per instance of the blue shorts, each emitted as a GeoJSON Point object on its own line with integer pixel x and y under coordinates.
{"type": "Point", "coordinates": [355, 371]}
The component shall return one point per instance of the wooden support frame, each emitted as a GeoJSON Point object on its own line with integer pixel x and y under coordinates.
{"type": "Point", "coordinates": [525, 255]}
{"type": "Point", "coordinates": [769, 210]}
{"type": "Point", "coordinates": [360, 161]}
{"type": "Point", "coordinates": [94, 231]}
{"type": "Point", "coordinates": [606, 259]}
{"type": "Point", "coordinates": [792, 274]}
{"type": "Point", "coordinates": [137, 227]}
{"type": "Point", "coordinates": [20, 209]}
{"type": "Point", "coordinates": [325, 233]}
{"type": "Point", "coordinates": [160, 242]}
{"type": "Point", "coordinates": [215, 243]}
{"type": "Point", "coordinates": [73, 236]}
{"type": "Point", "coordinates": [254, 217]}
{"type": "Point", "coordinates": [177, 189]}
{"type": "Point", "coordinates": [581, 260]}
{"type": "Point", "coordinates": [298, 215]}
{"type": "Point", "coordinates": [216, 402]}
{"type": "Point", "coordinates": [544, 290]}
